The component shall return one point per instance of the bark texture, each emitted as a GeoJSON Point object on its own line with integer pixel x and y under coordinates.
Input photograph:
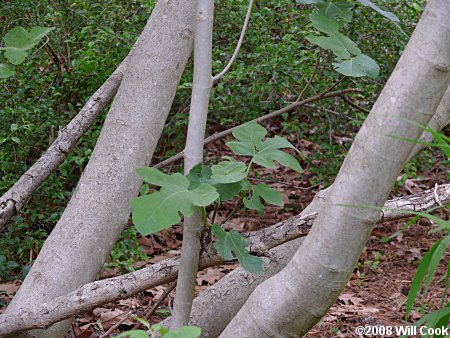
{"type": "Point", "coordinates": [100, 207]}
{"type": "Point", "coordinates": [291, 302]}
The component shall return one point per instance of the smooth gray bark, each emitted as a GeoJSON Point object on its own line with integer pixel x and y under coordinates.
{"type": "Point", "coordinates": [81, 241]}
{"type": "Point", "coordinates": [438, 122]}
{"type": "Point", "coordinates": [193, 154]}
{"type": "Point", "coordinates": [291, 302]}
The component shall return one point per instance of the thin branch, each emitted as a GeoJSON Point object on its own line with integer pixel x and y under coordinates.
{"type": "Point", "coordinates": [232, 213]}
{"type": "Point", "coordinates": [329, 89]}
{"type": "Point", "coordinates": [116, 325]}
{"type": "Point", "coordinates": [347, 100]}
{"type": "Point", "coordinates": [276, 113]}
{"type": "Point", "coordinates": [313, 74]}
{"type": "Point", "coordinates": [94, 294]}
{"type": "Point", "coordinates": [239, 44]}
{"type": "Point", "coordinates": [155, 306]}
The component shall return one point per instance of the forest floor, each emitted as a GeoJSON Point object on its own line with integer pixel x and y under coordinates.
{"type": "Point", "coordinates": [375, 295]}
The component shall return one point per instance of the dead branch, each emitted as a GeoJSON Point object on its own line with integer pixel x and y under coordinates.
{"type": "Point", "coordinates": [100, 292]}
{"type": "Point", "coordinates": [287, 109]}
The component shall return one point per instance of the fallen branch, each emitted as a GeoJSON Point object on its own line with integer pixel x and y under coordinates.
{"type": "Point", "coordinates": [100, 292]}
{"type": "Point", "coordinates": [18, 195]}
{"type": "Point", "coordinates": [276, 113]}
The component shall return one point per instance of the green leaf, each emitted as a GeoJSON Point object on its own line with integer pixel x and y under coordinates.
{"type": "Point", "coordinates": [269, 152]}
{"type": "Point", "coordinates": [160, 210]}
{"type": "Point", "coordinates": [338, 43]}
{"type": "Point", "coordinates": [202, 174]}
{"type": "Point", "coordinates": [360, 65]}
{"type": "Point", "coordinates": [332, 10]}
{"type": "Point", "coordinates": [204, 195]}
{"type": "Point", "coordinates": [184, 332]}
{"type": "Point", "coordinates": [308, 2]}
{"type": "Point", "coordinates": [157, 177]}
{"type": "Point", "coordinates": [228, 191]}
{"type": "Point", "coordinates": [231, 244]}
{"type": "Point", "coordinates": [386, 14]}
{"type": "Point", "coordinates": [242, 148]}
{"type": "Point", "coordinates": [434, 262]}
{"type": "Point", "coordinates": [268, 194]}
{"type": "Point", "coordinates": [419, 277]}
{"type": "Point", "coordinates": [228, 172]}
{"type": "Point", "coordinates": [15, 139]}
{"type": "Point", "coordinates": [18, 40]}
{"type": "Point", "coordinates": [324, 24]}
{"type": "Point", "coordinates": [134, 334]}
{"type": "Point", "coordinates": [6, 71]}
{"type": "Point", "coordinates": [250, 132]}
{"type": "Point", "coordinates": [328, 43]}
{"type": "Point", "coordinates": [199, 174]}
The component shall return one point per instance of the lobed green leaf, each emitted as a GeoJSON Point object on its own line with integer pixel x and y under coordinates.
{"type": "Point", "coordinates": [231, 244]}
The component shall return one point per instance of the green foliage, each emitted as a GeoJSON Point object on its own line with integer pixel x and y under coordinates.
{"type": "Point", "coordinates": [204, 186]}
{"type": "Point", "coordinates": [126, 252]}
{"type": "Point", "coordinates": [181, 332]}
{"type": "Point", "coordinates": [230, 245]}
{"type": "Point", "coordinates": [17, 42]}
{"type": "Point", "coordinates": [268, 194]}
{"type": "Point", "coordinates": [160, 210]}
{"type": "Point", "coordinates": [328, 19]}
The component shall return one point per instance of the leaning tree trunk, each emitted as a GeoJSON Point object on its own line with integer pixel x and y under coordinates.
{"type": "Point", "coordinates": [292, 301]}
{"type": "Point", "coordinates": [81, 241]}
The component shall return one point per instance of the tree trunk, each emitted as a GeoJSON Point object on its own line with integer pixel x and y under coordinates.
{"type": "Point", "coordinates": [81, 241]}
{"type": "Point", "coordinates": [193, 154]}
{"type": "Point", "coordinates": [291, 302]}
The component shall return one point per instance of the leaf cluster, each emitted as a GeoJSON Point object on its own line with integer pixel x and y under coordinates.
{"type": "Point", "coordinates": [328, 19]}
{"type": "Point", "coordinates": [203, 186]}
{"type": "Point", "coordinates": [17, 42]}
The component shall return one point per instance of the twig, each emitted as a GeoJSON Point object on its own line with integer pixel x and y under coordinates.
{"type": "Point", "coordinates": [232, 213]}
{"type": "Point", "coordinates": [116, 325]}
{"type": "Point", "coordinates": [333, 86]}
{"type": "Point", "coordinates": [166, 293]}
{"type": "Point", "coordinates": [313, 74]}
{"type": "Point", "coordinates": [239, 44]}
{"type": "Point", "coordinates": [347, 100]}
{"type": "Point", "coordinates": [287, 109]}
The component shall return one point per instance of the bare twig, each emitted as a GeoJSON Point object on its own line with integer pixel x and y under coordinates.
{"type": "Point", "coordinates": [155, 306]}
{"type": "Point", "coordinates": [116, 325]}
{"type": "Point", "coordinates": [239, 44]}
{"type": "Point", "coordinates": [347, 100]}
{"type": "Point", "coordinates": [329, 89]}
{"type": "Point", "coordinates": [313, 74]}
{"type": "Point", "coordinates": [276, 113]}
